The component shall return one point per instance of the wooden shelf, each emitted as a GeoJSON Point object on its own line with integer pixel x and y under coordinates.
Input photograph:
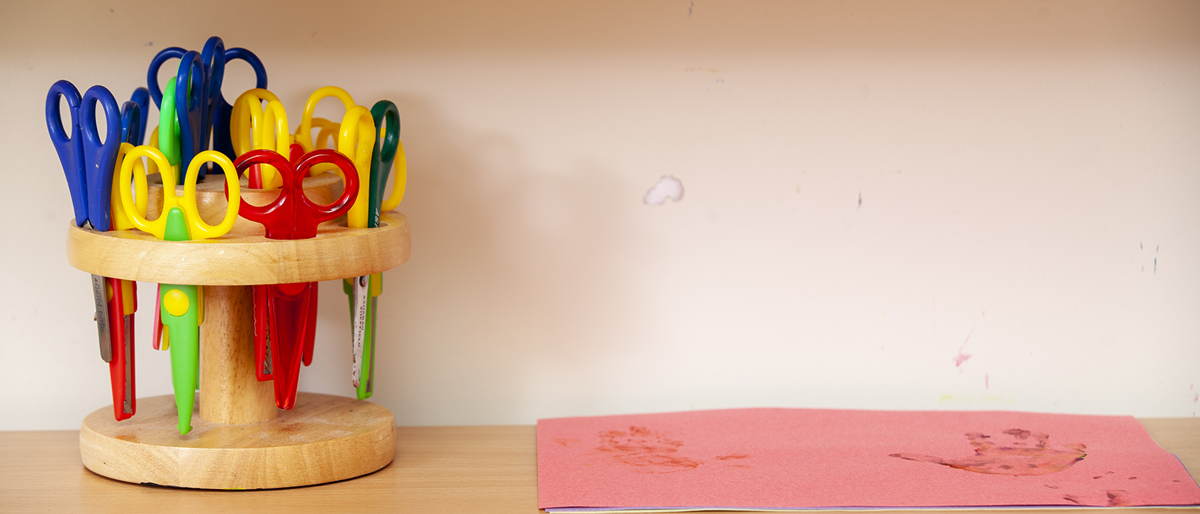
{"type": "Point", "coordinates": [437, 469]}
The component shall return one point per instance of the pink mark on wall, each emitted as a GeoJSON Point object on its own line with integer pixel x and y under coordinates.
{"type": "Point", "coordinates": [961, 358]}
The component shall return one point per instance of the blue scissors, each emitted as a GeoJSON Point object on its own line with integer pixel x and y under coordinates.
{"type": "Point", "coordinates": [214, 110]}
{"type": "Point", "coordinates": [134, 115]}
{"type": "Point", "coordinates": [89, 165]}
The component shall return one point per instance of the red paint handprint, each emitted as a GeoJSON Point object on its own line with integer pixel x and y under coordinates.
{"type": "Point", "coordinates": [1021, 457]}
{"type": "Point", "coordinates": [648, 450]}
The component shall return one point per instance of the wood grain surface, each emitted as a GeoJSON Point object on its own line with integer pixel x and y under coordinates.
{"type": "Point", "coordinates": [322, 439]}
{"type": "Point", "coordinates": [229, 387]}
{"type": "Point", "coordinates": [337, 252]}
{"type": "Point", "coordinates": [436, 470]}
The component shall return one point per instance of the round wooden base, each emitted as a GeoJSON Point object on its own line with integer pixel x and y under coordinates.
{"type": "Point", "coordinates": [322, 439]}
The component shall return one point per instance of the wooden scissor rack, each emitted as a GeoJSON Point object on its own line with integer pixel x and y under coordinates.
{"type": "Point", "coordinates": [240, 440]}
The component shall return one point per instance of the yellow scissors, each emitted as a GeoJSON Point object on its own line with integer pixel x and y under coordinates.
{"type": "Point", "coordinates": [255, 127]}
{"type": "Point", "coordinates": [182, 305]}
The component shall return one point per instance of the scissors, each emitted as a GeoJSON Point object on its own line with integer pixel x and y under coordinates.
{"type": "Point", "coordinates": [357, 138]}
{"type": "Point", "coordinates": [258, 127]}
{"type": "Point", "coordinates": [89, 165]}
{"type": "Point", "coordinates": [366, 290]}
{"type": "Point", "coordinates": [217, 110]}
{"type": "Point", "coordinates": [293, 216]}
{"type": "Point", "coordinates": [122, 294]}
{"type": "Point", "coordinates": [182, 306]}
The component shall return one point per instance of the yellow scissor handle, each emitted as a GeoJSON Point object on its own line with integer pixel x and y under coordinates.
{"type": "Point", "coordinates": [133, 158]}
{"type": "Point", "coordinates": [401, 181]}
{"type": "Point", "coordinates": [254, 127]}
{"type": "Point", "coordinates": [356, 141]}
{"type": "Point", "coordinates": [304, 134]}
{"type": "Point", "coordinates": [196, 225]}
{"type": "Point", "coordinates": [327, 133]}
{"type": "Point", "coordinates": [120, 220]}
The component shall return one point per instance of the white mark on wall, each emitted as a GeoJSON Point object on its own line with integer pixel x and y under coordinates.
{"type": "Point", "coordinates": [667, 187]}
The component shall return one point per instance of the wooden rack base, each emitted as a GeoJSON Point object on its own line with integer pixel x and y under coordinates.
{"type": "Point", "coordinates": [323, 439]}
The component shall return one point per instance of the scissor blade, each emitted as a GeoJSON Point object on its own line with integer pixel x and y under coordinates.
{"type": "Point", "coordinates": [359, 305]}
{"type": "Point", "coordinates": [288, 305]}
{"type": "Point", "coordinates": [129, 405]}
{"type": "Point", "coordinates": [262, 335]}
{"type": "Point", "coordinates": [102, 320]}
{"type": "Point", "coordinates": [371, 317]}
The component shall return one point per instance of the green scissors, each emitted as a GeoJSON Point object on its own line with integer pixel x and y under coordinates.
{"type": "Point", "coordinates": [181, 306]}
{"type": "Point", "coordinates": [364, 291]}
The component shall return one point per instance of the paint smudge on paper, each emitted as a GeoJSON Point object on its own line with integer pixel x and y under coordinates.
{"type": "Point", "coordinates": [666, 188]}
{"type": "Point", "coordinates": [1021, 457]}
{"type": "Point", "coordinates": [647, 450]}
{"type": "Point", "coordinates": [1117, 498]}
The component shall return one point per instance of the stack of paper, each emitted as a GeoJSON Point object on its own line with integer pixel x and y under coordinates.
{"type": "Point", "coordinates": [756, 459]}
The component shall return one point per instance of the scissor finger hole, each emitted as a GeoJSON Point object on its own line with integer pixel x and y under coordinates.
{"type": "Point", "coordinates": [324, 189]}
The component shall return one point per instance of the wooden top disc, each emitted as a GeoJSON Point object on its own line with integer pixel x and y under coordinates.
{"type": "Point", "coordinates": [336, 252]}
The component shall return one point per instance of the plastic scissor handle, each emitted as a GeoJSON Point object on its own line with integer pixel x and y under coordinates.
{"type": "Point", "coordinates": [357, 139]}
{"type": "Point", "coordinates": [383, 155]}
{"type": "Point", "coordinates": [304, 133]}
{"type": "Point", "coordinates": [257, 128]}
{"type": "Point", "coordinates": [141, 97]}
{"type": "Point", "coordinates": [161, 58]}
{"type": "Point", "coordinates": [197, 228]}
{"type": "Point", "coordinates": [191, 104]}
{"type": "Point", "coordinates": [121, 220]}
{"type": "Point", "coordinates": [99, 157]}
{"type": "Point", "coordinates": [70, 152]}
{"type": "Point", "coordinates": [292, 215]}
{"type": "Point", "coordinates": [222, 137]}
{"type": "Point", "coordinates": [131, 122]}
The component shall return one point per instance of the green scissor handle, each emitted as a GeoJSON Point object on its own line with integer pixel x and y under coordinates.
{"type": "Point", "coordinates": [383, 155]}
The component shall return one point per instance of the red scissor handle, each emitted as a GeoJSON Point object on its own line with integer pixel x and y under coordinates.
{"type": "Point", "coordinates": [293, 215]}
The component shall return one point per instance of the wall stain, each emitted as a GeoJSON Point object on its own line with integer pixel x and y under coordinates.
{"type": "Point", "coordinates": [647, 450]}
{"type": "Point", "coordinates": [1021, 457]}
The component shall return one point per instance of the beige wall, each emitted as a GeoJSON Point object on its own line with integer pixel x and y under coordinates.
{"type": "Point", "coordinates": [872, 189]}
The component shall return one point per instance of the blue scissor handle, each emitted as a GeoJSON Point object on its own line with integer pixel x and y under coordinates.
{"type": "Point", "coordinates": [99, 158]}
{"type": "Point", "coordinates": [166, 54]}
{"type": "Point", "coordinates": [131, 122]}
{"type": "Point", "coordinates": [70, 152]}
{"type": "Point", "coordinates": [141, 97]}
{"type": "Point", "coordinates": [222, 140]}
{"type": "Point", "coordinates": [190, 104]}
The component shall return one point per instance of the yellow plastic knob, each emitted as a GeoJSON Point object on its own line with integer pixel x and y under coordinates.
{"type": "Point", "coordinates": [176, 302]}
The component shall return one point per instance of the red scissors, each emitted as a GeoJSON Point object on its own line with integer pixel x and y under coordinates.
{"type": "Point", "coordinates": [293, 216]}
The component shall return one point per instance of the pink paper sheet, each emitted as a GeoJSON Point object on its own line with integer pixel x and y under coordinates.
{"type": "Point", "coordinates": [802, 458]}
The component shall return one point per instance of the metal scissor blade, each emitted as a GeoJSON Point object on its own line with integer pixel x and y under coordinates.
{"type": "Point", "coordinates": [359, 299]}
{"type": "Point", "coordinates": [371, 317]}
{"type": "Point", "coordinates": [103, 322]}
{"type": "Point", "coordinates": [129, 396]}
